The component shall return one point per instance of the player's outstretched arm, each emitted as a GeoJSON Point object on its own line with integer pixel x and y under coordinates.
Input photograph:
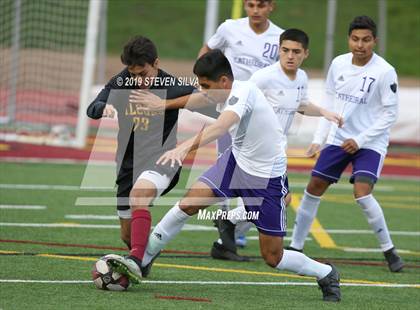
{"type": "Point", "coordinates": [312, 109]}
{"type": "Point", "coordinates": [207, 135]}
{"type": "Point", "coordinates": [149, 101]}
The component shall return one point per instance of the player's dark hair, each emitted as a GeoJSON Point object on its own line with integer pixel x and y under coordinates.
{"type": "Point", "coordinates": [296, 35]}
{"type": "Point", "coordinates": [139, 51]}
{"type": "Point", "coordinates": [213, 65]}
{"type": "Point", "coordinates": [363, 22]}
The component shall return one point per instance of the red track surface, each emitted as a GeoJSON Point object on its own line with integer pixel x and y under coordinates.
{"type": "Point", "coordinates": [105, 151]}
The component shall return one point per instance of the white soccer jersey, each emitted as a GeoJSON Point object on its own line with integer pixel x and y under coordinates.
{"type": "Point", "coordinates": [282, 93]}
{"type": "Point", "coordinates": [246, 50]}
{"type": "Point", "coordinates": [366, 97]}
{"type": "Point", "coordinates": [257, 139]}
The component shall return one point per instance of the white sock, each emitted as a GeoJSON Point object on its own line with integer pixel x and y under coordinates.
{"type": "Point", "coordinates": [376, 220]}
{"type": "Point", "coordinates": [303, 265]}
{"type": "Point", "coordinates": [304, 218]}
{"type": "Point", "coordinates": [242, 228]}
{"type": "Point", "coordinates": [168, 227]}
{"type": "Point", "coordinates": [238, 214]}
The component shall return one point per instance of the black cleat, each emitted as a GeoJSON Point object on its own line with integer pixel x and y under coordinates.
{"type": "Point", "coordinates": [293, 249]}
{"type": "Point", "coordinates": [227, 234]}
{"type": "Point", "coordinates": [395, 263]}
{"type": "Point", "coordinates": [219, 251]}
{"type": "Point", "coordinates": [330, 285]}
{"type": "Point", "coordinates": [145, 271]}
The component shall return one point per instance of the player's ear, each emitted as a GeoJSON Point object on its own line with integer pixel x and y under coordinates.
{"type": "Point", "coordinates": [156, 63]}
{"type": "Point", "coordinates": [306, 52]}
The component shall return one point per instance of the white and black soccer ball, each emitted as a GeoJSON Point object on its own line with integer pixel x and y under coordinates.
{"type": "Point", "coordinates": [105, 278]}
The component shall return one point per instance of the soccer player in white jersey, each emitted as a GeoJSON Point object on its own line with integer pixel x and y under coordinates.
{"type": "Point", "coordinates": [285, 88]}
{"type": "Point", "coordinates": [253, 168]}
{"type": "Point", "coordinates": [363, 88]}
{"type": "Point", "coordinates": [249, 43]}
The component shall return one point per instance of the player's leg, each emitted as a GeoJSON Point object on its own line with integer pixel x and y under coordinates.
{"type": "Point", "coordinates": [367, 165]}
{"type": "Point", "coordinates": [271, 247]}
{"type": "Point", "coordinates": [200, 196]}
{"type": "Point", "coordinates": [148, 186]}
{"type": "Point", "coordinates": [328, 169]}
{"type": "Point", "coordinates": [211, 187]}
{"type": "Point", "coordinates": [271, 225]}
{"type": "Point", "coordinates": [124, 186]}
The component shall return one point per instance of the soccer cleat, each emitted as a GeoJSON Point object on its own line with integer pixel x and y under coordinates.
{"type": "Point", "coordinates": [129, 266]}
{"type": "Point", "coordinates": [227, 234]}
{"type": "Point", "coordinates": [241, 241]}
{"type": "Point", "coordinates": [219, 251]}
{"type": "Point", "coordinates": [293, 249]}
{"type": "Point", "coordinates": [145, 271]}
{"type": "Point", "coordinates": [330, 285]}
{"type": "Point", "coordinates": [395, 263]}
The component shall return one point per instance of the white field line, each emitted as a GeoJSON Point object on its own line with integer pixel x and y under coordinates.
{"type": "Point", "coordinates": [23, 207]}
{"type": "Point", "coordinates": [217, 283]}
{"type": "Point", "coordinates": [384, 188]}
{"type": "Point", "coordinates": [187, 227]}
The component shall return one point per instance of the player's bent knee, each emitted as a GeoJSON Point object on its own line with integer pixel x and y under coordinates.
{"type": "Point", "coordinates": [272, 259]}
{"type": "Point", "coordinates": [141, 198]}
{"type": "Point", "coordinates": [189, 209]}
{"type": "Point", "coordinates": [317, 186]}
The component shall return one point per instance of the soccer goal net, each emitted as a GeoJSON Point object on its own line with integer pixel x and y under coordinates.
{"type": "Point", "coordinates": [47, 55]}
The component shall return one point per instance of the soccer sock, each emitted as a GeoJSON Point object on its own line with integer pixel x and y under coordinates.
{"type": "Point", "coordinates": [376, 220]}
{"type": "Point", "coordinates": [303, 265]}
{"type": "Point", "coordinates": [140, 228]}
{"type": "Point", "coordinates": [242, 228]}
{"type": "Point", "coordinates": [304, 218]}
{"type": "Point", "coordinates": [238, 214]}
{"type": "Point", "coordinates": [170, 225]}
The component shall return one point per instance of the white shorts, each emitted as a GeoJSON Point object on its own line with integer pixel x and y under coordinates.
{"type": "Point", "coordinates": [160, 181]}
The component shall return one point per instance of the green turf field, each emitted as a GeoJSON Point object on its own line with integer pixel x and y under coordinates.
{"type": "Point", "coordinates": [177, 27]}
{"type": "Point", "coordinates": [264, 288]}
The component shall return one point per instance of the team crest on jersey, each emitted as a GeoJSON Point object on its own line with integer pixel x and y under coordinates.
{"type": "Point", "coordinates": [233, 100]}
{"type": "Point", "coordinates": [393, 87]}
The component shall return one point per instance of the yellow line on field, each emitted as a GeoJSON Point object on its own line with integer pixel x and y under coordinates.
{"type": "Point", "coordinates": [317, 231]}
{"type": "Point", "coordinates": [68, 257]}
{"type": "Point", "coordinates": [9, 252]}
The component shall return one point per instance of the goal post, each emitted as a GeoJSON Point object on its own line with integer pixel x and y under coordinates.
{"type": "Point", "coordinates": [47, 61]}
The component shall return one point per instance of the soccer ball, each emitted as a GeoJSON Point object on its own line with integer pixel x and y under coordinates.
{"type": "Point", "coordinates": [105, 278]}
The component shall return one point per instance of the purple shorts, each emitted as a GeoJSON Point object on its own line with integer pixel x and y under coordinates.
{"type": "Point", "coordinates": [333, 160]}
{"type": "Point", "coordinates": [262, 195]}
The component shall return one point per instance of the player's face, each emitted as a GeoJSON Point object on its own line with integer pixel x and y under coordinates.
{"type": "Point", "coordinates": [216, 91]}
{"type": "Point", "coordinates": [258, 11]}
{"type": "Point", "coordinates": [361, 44]}
{"type": "Point", "coordinates": [145, 73]}
{"type": "Point", "coordinates": [292, 54]}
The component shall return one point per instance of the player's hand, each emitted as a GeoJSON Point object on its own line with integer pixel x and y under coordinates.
{"type": "Point", "coordinates": [313, 149]}
{"type": "Point", "coordinates": [147, 100]}
{"type": "Point", "coordinates": [109, 111]}
{"type": "Point", "coordinates": [350, 146]}
{"type": "Point", "coordinates": [333, 117]}
{"type": "Point", "coordinates": [175, 156]}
